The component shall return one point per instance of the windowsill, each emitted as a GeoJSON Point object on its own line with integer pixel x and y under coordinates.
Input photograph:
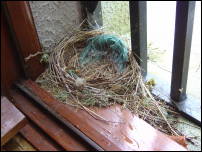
{"type": "Point", "coordinates": [133, 134]}
{"type": "Point", "coordinates": [190, 107]}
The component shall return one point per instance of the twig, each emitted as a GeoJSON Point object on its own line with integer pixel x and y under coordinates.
{"type": "Point", "coordinates": [32, 55]}
{"type": "Point", "coordinates": [189, 124]}
{"type": "Point", "coordinates": [160, 110]}
{"type": "Point", "coordinates": [65, 57]}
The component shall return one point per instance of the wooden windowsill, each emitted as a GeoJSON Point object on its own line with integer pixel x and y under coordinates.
{"type": "Point", "coordinates": [124, 131]}
{"type": "Point", "coordinates": [12, 120]}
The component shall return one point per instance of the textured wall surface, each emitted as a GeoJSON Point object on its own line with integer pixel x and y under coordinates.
{"type": "Point", "coordinates": [116, 16]}
{"type": "Point", "coordinates": [116, 19]}
{"type": "Point", "coordinates": [55, 19]}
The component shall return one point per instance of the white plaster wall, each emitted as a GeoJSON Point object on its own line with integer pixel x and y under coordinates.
{"type": "Point", "coordinates": [54, 20]}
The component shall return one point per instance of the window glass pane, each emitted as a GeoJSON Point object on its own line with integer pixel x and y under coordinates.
{"type": "Point", "coordinates": [194, 75]}
{"type": "Point", "coordinates": [160, 39]}
{"type": "Point", "coordinates": [116, 18]}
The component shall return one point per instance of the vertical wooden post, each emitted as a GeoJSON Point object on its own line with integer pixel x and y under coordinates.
{"type": "Point", "coordinates": [182, 46]}
{"type": "Point", "coordinates": [138, 22]}
{"type": "Point", "coordinates": [24, 34]}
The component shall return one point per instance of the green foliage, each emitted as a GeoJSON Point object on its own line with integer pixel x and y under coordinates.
{"type": "Point", "coordinates": [44, 58]}
{"type": "Point", "coordinates": [62, 95]}
{"type": "Point", "coordinates": [116, 17]}
{"type": "Point", "coordinates": [154, 54]}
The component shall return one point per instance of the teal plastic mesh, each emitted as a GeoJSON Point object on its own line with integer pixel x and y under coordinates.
{"type": "Point", "coordinates": [105, 46]}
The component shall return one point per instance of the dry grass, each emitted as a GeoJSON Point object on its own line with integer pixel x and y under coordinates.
{"type": "Point", "coordinates": [101, 84]}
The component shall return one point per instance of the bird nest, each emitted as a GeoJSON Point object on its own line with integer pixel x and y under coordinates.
{"type": "Point", "coordinates": [99, 84]}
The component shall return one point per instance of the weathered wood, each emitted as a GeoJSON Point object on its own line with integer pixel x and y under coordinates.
{"type": "Point", "coordinates": [124, 131]}
{"type": "Point", "coordinates": [12, 120]}
{"type": "Point", "coordinates": [75, 130]}
{"type": "Point", "coordinates": [18, 143]}
{"type": "Point", "coordinates": [48, 124]}
{"type": "Point", "coordinates": [38, 138]}
{"type": "Point", "coordinates": [78, 118]}
{"type": "Point", "coordinates": [24, 34]}
{"type": "Point", "coordinates": [10, 67]}
{"type": "Point", "coordinates": [179, 139]}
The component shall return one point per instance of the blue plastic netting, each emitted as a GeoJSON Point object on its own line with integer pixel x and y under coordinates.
{"type": "Point", "coordinates": [105, 46]}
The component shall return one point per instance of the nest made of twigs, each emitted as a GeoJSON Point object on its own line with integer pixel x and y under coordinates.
{"type": "Point", "coordinates": [98, 83]}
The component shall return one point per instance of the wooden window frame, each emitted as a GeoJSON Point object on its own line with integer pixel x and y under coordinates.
{"type": "Point", "coordinates": [24, 35]}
